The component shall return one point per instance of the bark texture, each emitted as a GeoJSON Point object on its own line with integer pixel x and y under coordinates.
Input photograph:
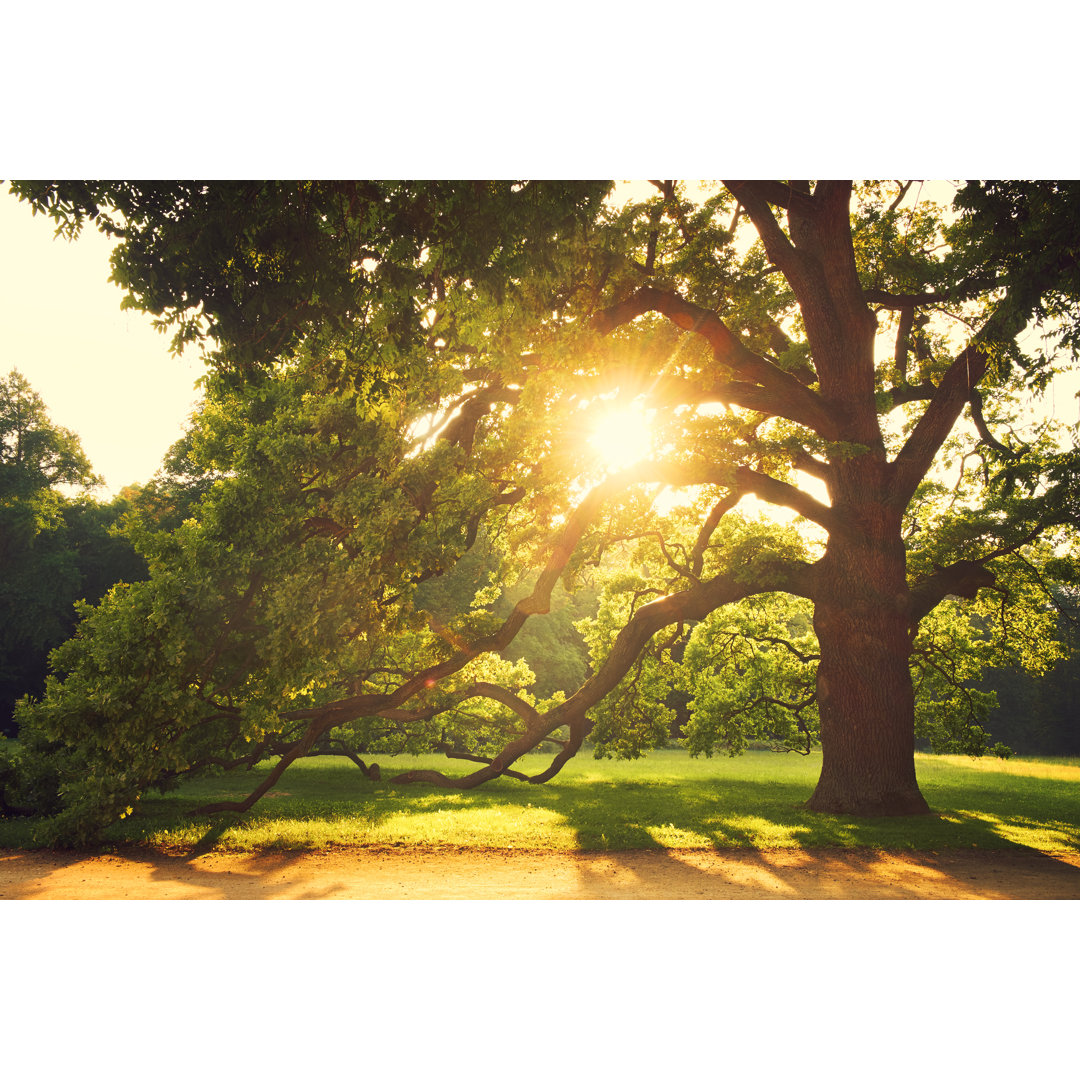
{"type": "Point", "coordinates": [865, 696]}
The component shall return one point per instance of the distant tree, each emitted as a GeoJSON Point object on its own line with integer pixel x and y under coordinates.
{"type": "Point", "coordinates": [1040, 713]}
{"type": "Point", "coordinates": [36, 455]}
{"type": "Point", "coordinates": [54, 549]}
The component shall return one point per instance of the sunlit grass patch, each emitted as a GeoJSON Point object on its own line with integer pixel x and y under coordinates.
{"type": "Point", "coordinates": [1047, 768]}
{"type": "Point", "coordinates": [1026, 832]}
{"type": "Point", "coordinates": [671, 836]}
{"type": "Point", "coordinates": [666, 800]}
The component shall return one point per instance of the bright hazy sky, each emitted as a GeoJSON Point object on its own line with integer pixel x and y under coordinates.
{"type": "Point", "coordinates": [104, 373]}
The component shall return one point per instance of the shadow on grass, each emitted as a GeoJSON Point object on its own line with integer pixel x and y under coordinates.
{"type": "Point", "coordinates": [210, 839]}
{"type": "Point", "coordinates": [668, 814]}
{"type": "Point", "coordinates": [630, 813]}
{"type": "Point", "coordinates": [828, 856]}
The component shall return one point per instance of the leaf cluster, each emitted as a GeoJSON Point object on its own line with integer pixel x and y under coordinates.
{"type": "Point", "coordinates": [249, 269]}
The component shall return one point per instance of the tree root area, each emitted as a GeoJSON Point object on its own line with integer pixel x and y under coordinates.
{"type": "Point", "coordinates": [409, 873]}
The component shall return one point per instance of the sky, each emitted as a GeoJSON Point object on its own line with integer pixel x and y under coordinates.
{"type": "Point", "coordinates": [104, 373]}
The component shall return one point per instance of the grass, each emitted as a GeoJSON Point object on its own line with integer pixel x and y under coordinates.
{"type": "Point", "coordinates": [667, 800]}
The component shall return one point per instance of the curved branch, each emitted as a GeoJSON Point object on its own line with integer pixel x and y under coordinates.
{"type": "Point", "coordinates": [719, 509]}
{"type": "Point", "coordinates": [781, 494]}
{"type": "Point", "coordinates": [806, 658]}
{"type": "Point", "coordinates": [743, 480]}
{"type": "Point", "coordinates": [907, 393]}
{"type": "Point", "coordinates": [933, 427]}
{"type": "Point", "coordinates": [300, 749]}
{"type": "Point", "coordinates": [692, 604]}
{"type": "Point", "coordinates": [805, 462]}
{"type": "Point", "coordinates": [975, 404]}
{"type": "Point", "coordinates": [460, 430]}
{"type": "Point", "coordinates": [339, 749]}
{"type": "Point", "coordinates": [784, 394]}
{"type": "Point", "coordinates": [963, 578]}
{"type": "Point", "coordinates": [904, 187]}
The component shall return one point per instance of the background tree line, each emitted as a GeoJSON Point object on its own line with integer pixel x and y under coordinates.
{"type": "Point", "coordinates": [56, 549]}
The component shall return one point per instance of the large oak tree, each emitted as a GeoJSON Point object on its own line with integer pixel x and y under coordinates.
{"type": "Point", "coordinates": [405, 372]}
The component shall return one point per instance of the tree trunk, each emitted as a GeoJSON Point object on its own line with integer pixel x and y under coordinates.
{"type": "Point", "coordinates": [865, 696]}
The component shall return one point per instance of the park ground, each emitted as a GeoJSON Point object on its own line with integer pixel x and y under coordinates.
{"type": "Point", "coordinates": [665, 827]}
{"type": "Point", "coordinates": [442, 874]}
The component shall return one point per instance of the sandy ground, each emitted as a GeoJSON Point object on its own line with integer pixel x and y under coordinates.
{"type": "Point", "coordinates": [412, 874]}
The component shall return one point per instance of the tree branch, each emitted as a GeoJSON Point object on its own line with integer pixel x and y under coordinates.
{"type": "Point", "coordinates": [785, 196]}
{"type": "Point", "coordinates": [784, 394]}
{"type": "Point", "coordinates": [719, 509]}
{"type": "Point", "coordinates": [904, 395]}
{"type": "Point", "coordinates": [933, 427]}
{"type": "Point", "coordinates": [692, 604]}
{"type": "Point", "coordinates": [902, 301]}
{"type": "Point", "coordinates": [300, 749]}
{"type": "Point", "coordinates": [952, 394]}
{"type": "Point", "coordinates": [975, 404]}
{"type": "Point", "coordinates": [904, 187]}
{"type": "Point", "coordinates": [903, 343]}
{"type": "Point", "coordinates": [963, 578]}
{"type": "Point", "coordinates": [805, 462]}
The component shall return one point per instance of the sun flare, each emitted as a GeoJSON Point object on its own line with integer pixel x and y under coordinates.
{"type": "Point", "coordinates": [622, 435]}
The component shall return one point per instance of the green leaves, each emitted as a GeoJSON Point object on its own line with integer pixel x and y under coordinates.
{"type": "Point", "coordinates": [249, 269]}
{"type": "Point", "coordinates": [749, 671]}
{"type": "Point", "coordinates": [35, 454]}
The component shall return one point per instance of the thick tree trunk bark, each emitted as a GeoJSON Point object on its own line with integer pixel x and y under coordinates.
{"type": "Point", "coordinates": [865, 696]}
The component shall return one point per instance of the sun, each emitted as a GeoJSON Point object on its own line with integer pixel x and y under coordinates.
{"type": "Point", "coordinates": [621, 435]}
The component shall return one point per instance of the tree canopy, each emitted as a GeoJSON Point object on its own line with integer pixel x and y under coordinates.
{"type": "Point", "coordinates": [407, 376]}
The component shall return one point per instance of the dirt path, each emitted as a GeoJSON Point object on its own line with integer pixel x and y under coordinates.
{"type": "Point", "coordinates": [410, 874]}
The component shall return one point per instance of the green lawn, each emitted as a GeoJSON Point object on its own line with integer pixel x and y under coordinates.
{"type": "Point", "coordinates": [666, 800]}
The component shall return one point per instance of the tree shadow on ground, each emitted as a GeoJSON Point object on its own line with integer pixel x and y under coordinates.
{"type": "Point", "coordinates": [615, 821]}
{"type": "Point", "coordinates": [30, 875]}
{"type": "Point", "coordinates": [828, 848]}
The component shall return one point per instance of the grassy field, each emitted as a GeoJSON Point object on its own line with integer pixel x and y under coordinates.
{"type": "Point", "coordinates": [666, 800]}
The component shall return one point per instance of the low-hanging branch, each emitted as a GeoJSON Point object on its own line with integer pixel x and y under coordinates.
{"type": "Point", "coordinates": [690, 605]}
{"type": "Point", "coordinates": [320, 719]}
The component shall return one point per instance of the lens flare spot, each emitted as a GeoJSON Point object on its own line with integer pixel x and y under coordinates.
{"type": "Point", "coordinates": [621, 435]}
